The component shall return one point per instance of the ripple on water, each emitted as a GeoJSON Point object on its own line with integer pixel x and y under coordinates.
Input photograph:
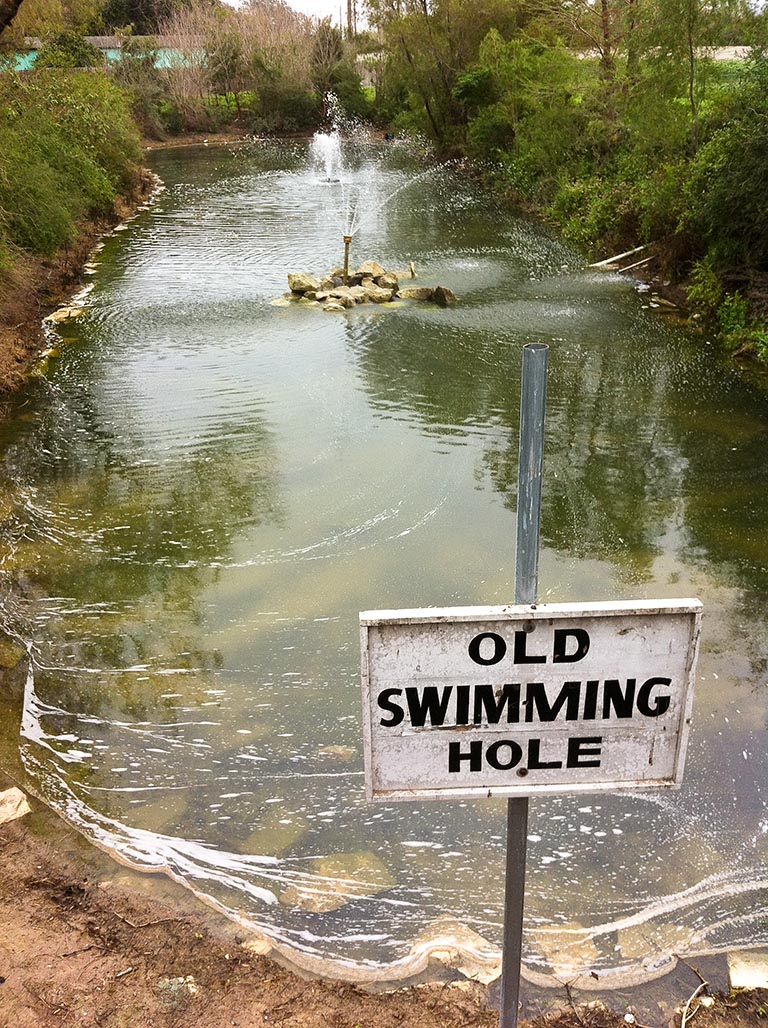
{"type": "Point", "coordinates": [212, 488]}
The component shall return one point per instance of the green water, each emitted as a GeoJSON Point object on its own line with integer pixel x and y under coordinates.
{"type": "Point", "coordinates": [205, 489]}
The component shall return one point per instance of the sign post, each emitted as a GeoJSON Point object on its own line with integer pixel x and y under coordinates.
{"type": "Point", "coordinates": [526, 699]}
{"type": "Point", "coordinates": [530, 465]}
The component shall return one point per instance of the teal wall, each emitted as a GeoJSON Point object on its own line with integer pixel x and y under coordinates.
{"type": "Point", "coordinates": [166, 58]}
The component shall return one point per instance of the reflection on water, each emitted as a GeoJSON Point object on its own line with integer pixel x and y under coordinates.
{"type": "Point", "coordinates": [207, 489]}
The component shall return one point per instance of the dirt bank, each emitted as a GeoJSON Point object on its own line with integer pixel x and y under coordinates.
{"type": "Point", "coordinates": [38, 285]}
{"type": "Point", "coordinates": [196, 139]}
{"type": "Point", "coordinates": [84, 942]}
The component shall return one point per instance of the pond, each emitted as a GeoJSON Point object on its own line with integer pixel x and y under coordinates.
{"type": "Point", "coordinates": [204, 490]}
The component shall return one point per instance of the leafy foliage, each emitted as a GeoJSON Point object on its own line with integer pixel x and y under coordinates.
{"type": "Point", "coordinates": [67, 49]}
{"type": "Point", "coordinates": [69, 147]}
{"type": "Point", "coordinates": [611, 117]}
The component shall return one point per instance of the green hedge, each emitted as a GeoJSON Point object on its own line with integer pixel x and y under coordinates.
{"type": "Point", "coordinates": [69, 147]}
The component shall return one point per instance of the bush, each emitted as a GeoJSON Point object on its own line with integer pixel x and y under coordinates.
{"type": "Point", "coordinates": [282, 107]}
{"type": "Point", "coordinates": [740, 331]}
{"type": "Point", "coordinates": [69, 147]}
{"type": "Point", "coordinates": [67, 50]}
{"type": "Point", "coordinates": [726, 190]}
{"type": "Point", "coordinates": [706, 292]}
{"type": "Point", "coordinates": [345, 84]}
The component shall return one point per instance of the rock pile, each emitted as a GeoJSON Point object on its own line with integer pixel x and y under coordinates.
{"type": "Point", "coordinates": [370, 283]}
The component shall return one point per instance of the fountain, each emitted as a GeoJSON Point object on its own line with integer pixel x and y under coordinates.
{"type": "Point", "coordinates": [325, 154]}
{"type": "Point", "coordinates": [339, 289]}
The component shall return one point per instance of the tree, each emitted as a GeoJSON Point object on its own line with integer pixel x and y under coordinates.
{"type": "Point", "coordinates": [8, 11]}
{"type": "Point", "coordinates": [46, 17]}
{"type": "Point", "coordinates": [67, 50]}
{"type": "Point", "coordinates": [431, 43]}
{"type": "Point", "coordinates": [227, 61]}
{"type": "Point", "coordinates": [144, 16]}
{"type": "Point", "coordinates": [673, 41]}
{"type": "Point", "coordinates": [327, 53]}
{"type": "Point", "coordinates": [726, 192]}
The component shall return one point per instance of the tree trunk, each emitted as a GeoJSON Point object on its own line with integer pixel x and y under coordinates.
{"type": "Point", "coordinates": [633, 57]}
{"type": "Point", "coordinates": [607, 61]}
{"type": "Point", "coordinates": [424, 97]}
{"type": "Point", "coordinates": [8, 11]}
{"type": "Point", "coordinates": [691, 31]}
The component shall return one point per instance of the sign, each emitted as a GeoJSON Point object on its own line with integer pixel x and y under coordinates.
{"type": "Point", "coordinates": [524, 700]}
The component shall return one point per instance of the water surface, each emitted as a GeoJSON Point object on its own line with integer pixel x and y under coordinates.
{"type": "Point", "coordinates": [206, 489]}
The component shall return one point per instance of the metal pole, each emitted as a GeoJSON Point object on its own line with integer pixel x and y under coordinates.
{"type": "Point", "coordinates": [533, 402]}
{"type": "Point", "coordinates": [347, 241]}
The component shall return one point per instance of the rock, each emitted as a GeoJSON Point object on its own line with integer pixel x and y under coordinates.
{"type": "Point", "coordinates": [276, 835]}
{"type": "Point", "coordinates": [371, 268]}
{"type": "Point", "coordinates": [164, 814]}
{"type": "Point", "coordinates": [418, 293]}
{"type": "Point", "coordinates": [358, 293]}
{"type": "Point", "coordinates": [452, 943]}
{"type": "Point", "coordinates": [646, 941]}
{"type": "Point", "coordinates": [445, 297]}
{"type": "Point", "coordinates": [377, 295]}
{"type": "Point", "coordinates": [355, 280]}
{"type": "Point", "coordinates": [568, 948]}
{"type": "Point", "coordinates": [177, 992]}
{"type": "Point", "coordinates": [299, 282]}
{"type": "Point", "coordinates": [342, 752]}
{"type": "Point", "coordinates": [13, 804]}
{"type": "Point", "coordinates": [344, 296]}
{"type": "Point", "coordinates": [334, 306]}
{"type": "Point", "coordinates": [10, 652]}
{"type": "Point", "coordinates": [311, 294]}
{"type": "Point", "coordinates": [388, 281]}
{"type": "Point", "coordinates": [340, 878]}
{"type": "Point", "coordinates": [64, 314]}
{"type": "Point", "coordinates": [337, 273]}
{"type": "Point", "coordinates": [327, 283]}
{"type": "Point", "coordinates": [748, 970]}
{"type": "Point", "coordinates": [338, 280]}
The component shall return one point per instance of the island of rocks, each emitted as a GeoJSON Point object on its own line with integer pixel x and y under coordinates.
{"type": "Point", "coordinates": [370, 283]}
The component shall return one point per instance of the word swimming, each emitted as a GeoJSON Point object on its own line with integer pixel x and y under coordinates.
{"type": "Point", "coordinates": [517, 702]}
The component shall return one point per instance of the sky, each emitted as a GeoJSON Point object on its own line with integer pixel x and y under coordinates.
{"type": "Point", "coordinates": [317, 8]}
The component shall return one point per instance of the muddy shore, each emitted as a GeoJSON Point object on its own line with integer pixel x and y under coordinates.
{"type": "Point", "coordinates": [85, 942]}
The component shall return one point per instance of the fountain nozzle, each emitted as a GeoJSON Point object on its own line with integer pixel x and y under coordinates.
{"type": "Point", "coordinates": [347, 241]}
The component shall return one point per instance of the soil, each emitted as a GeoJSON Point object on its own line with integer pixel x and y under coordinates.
{"type": "Point", "coordinates": [85, 942]}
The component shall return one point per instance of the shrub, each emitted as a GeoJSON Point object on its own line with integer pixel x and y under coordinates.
{"type": "Point", "coordinates": [67, 50]}
{"type": "Point", "coordinates": [726, 191]}
{"type": "Point", "coordinates": [284, 108]}
{"type": "Point", "coordinates": [69, 147]}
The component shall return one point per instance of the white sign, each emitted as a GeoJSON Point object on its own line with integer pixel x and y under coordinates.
{"type": "Point", "coordinates": [513, 701]}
